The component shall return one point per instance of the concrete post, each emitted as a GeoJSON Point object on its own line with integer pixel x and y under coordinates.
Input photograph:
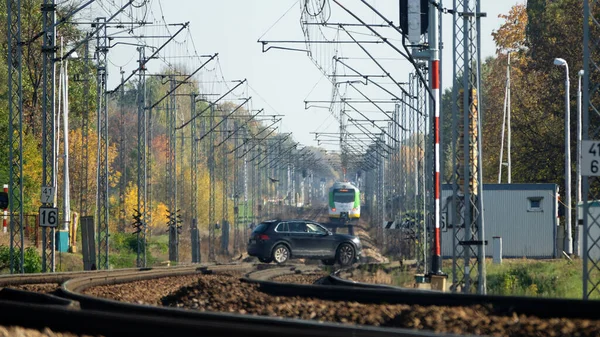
{"type": "Point", "coordinates": [497, 255]}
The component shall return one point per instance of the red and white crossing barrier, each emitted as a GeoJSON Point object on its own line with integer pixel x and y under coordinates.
{"type": "Point", "coordinates": [5, 216]}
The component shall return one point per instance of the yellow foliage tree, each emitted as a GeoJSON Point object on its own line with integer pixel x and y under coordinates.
{"type": "Point", "coordinates": [78, 177]}
{"type": "Point", "coordinates": [159, 216]}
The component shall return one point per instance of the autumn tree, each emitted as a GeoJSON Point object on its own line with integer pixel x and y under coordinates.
{"type": "Point", "coordinates": [537, 90]}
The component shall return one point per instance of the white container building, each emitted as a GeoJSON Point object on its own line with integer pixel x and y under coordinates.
{"type": "Point", "coordinates": [525, 216]}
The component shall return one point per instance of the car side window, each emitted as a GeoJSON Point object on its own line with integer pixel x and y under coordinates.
{"type": "Point", "coordinates": [297, 227]}
{"type": "Point", "coordinates": [282, 227]}
{"type": "Point", "coordinates": [314, 229]}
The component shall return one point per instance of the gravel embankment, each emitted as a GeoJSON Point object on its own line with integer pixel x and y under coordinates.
{"type": "Point", "coordinates": [143, 292]}
{"type": "Point", "coordinates": [45, 288]}
{"type": "Point", "coordinates": [224, 292]}
{"type": "Point", "coordinates": [14, 331]}
{"type": "Point", "coordinates": [299, 278]}
{"type": "Point", "coordinates": [227, 294]}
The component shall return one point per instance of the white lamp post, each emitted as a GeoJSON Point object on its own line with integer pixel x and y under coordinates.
{"type": "Point", "coordinates": [578, 183]}
{"type": "Point", "coordinates": [568, 237]}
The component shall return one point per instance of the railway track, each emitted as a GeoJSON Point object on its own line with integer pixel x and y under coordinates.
{"type": "Point", "coordinates": [94, 315]}
{"type": "Point", "coordinates": [219, 299]}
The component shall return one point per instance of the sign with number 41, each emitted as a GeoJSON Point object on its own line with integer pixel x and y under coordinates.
{"type": "Point", "coordinates": [590, 158]}
{"type": "Point", "coordinates": [47, 194]}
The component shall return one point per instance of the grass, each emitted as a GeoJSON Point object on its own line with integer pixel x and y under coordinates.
{"type": "Point", "coordinates": [384, 274]}
{"type": "Point", "coordinates": [554, 278]}
{"type": "Point", "coordinates": [524, 277]}
{"type": "Point", "coordinates": [68, 262]}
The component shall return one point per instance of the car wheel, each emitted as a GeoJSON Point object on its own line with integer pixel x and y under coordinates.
{"type": "Point", "coordinates": [329, 262]}
{"type": "Point", "coordinates": [345, 254]}
{"type": "Point", "coordinates": [264, 260]}
{"type": "Point", "coordinates": [281, 254]}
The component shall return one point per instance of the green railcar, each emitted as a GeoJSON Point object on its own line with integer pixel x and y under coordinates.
{"type": "Point", "coordinates": [344, 202]}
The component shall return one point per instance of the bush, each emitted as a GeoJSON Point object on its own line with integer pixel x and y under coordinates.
{"type": "Point", "coordinates": [124, 242]}
{"type": "Point", "coordinates": [124, 250]}
{"type": "Point", "coordinates": [32, 262]}
{"type": "Point", "coordinates": [132, 243]}
{"type": "Point", "coordinates": [122, 260]}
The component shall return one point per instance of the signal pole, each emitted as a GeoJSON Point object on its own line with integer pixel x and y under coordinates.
{"type": "Point", "coordinates": [434, 80]}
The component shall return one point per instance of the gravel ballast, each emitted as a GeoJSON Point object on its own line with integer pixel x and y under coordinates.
{"type": "Point", "coordinates": [44, 288]}
{"type": "Point", "coordinates": [299, 278]}
{"type": "Point", "coordinates": [225, 292]}
{"type": "Point", "coordinates": [228, 294]}
{"type": "Point", "coordinates": [15, 331]}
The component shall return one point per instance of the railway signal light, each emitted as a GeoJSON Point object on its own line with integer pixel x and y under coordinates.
{"type": "Point", "coordinates": [137, 224]}
{"type": "Point", "coordinates": [3, 200]}
{"type": "Point", "coordinates": [404, 15]}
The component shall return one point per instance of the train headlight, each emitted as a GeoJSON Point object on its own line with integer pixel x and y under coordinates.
{"type": "Point", "coordinates": [333, 209]}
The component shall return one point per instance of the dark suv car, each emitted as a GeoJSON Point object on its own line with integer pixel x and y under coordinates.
{"type": "Point", "coordinates": [280, 240]}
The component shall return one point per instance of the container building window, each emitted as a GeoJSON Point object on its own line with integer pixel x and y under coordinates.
{"type": "Point", "coordinates": [535, 204]}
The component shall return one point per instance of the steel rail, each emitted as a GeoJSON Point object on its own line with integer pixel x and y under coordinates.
{"type": "Point", "coordinates": [218, 324]}
{"type": "Point", "coordinates": [336, 287]}
{"type": "Point", "coordinates": [58, 278]}
{"type": "Point", "coordinates": [269, 272]}
{"type": "Point", "coordinates": [73, 287]}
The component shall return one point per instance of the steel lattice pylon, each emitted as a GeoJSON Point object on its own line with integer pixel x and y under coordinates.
{"type": "Point", "coordinates": [467, 210]}
{"type": "Point", "coordinates": [172, 173]}
{"type": "Point", "coordinates": [258, 186]}
{"type": "Point", "coordinates": [196, 255]}
{"type": "Point", "coordinates": [102, 161]}
{"type": "Point", "coordinates": [253, 194]}
{"type": "Point", "coordinates": [237, 244]}
{"type": "Point", "coordinates": [48, 137]}
{"type": "Point", "coordinates": [225, 171]}
{"type": "Point", "coordinates": [394, 164]}
{"type": "Point", "coordinates": [122, 167]}
{"type": "Point", "coordinates": [404, 167]}
{"type": "Point", "coordinates": [148, 221]}
{"type": "Point", "coordinates": [381, 185]}
{"type": "Point", "coordinates": [15, 134]}
{"type": "Point", "coordinates": [591, 131]}
{"type": "Point", "coordinates": [169, 178]}
{"type": "Point", "coordinates": [141, 159]}
{"type": "Point", "coordinates": [212, 196]}
{"type": "Point", "coordinates": [245, 186]}
{"type": "Point", "coordinates": [420, 130]}
{"type": "Point", "coordinates": [85, 114]}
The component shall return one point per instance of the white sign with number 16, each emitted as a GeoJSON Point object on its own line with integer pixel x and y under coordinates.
{"type": "Point", "coordinates": [48, 216]}
{"type": "Point", "coordinates": [590, 158]}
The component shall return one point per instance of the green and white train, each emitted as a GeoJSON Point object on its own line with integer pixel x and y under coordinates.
{"type": "Point", "coordinates": [344, 202]}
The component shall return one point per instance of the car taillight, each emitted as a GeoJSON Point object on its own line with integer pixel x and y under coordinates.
{"type": "Point", "coordinates": [263, 237]}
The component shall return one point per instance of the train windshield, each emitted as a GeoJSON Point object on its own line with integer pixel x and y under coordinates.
{"type": "Point", "coordinates": [344, 195]}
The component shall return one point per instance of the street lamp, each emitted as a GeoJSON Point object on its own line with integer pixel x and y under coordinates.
{"type": "Point", "coordinates": [568, 243]}
{"type": "Point", "coordinates": [578, 183]}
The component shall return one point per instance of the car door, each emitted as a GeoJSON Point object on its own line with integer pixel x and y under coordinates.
{"type": "Point", "coordinates": [299, 238]}
{"type": "Point", "coordinates": [321, 243]}
{"type": "Point", "coordinates": [282, 232]}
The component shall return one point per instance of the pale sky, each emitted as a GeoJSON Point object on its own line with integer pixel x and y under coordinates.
{"type": "Point", "coordinates": [280, 80]}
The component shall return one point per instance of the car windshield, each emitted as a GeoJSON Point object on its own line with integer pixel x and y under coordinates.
{"type": "Point", "coordinates": [260, 228]}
